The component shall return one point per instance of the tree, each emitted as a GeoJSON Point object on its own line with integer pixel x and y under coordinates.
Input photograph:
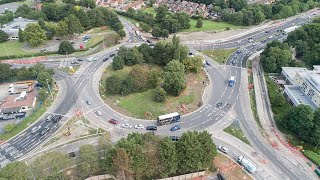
{"type": "Point", "coordinates": [104, 145]}
{"type": "Point", "coordinates": [44, 78]}
{"type": "Point", "coordinates": [117, 63]}
{"type": "Point", "coordinates": [121, 33]}
{"type": "Point", "coordinates": [73, 24]}
{"type": "Point", "coordinates": [65, 47]}
{"type": "Point", "coordinates": [88, 160]}
{"type": "Point", "coordinates": [146, 51]}
{"type": "Point", "coordinates": [21, 35]}
{"type": "Point", "coordinates": [193, 64]}
{"type": "Point", "coordinates": [140, 77]}
{"type": "Point", "coordinates": [174, 78]}
{"type": "Point", "coordinates": [5, 72]}
{"type": "Point", "coordinates": [168, 157]}
{"type": "Point", "coordinates": [50, 165]}
{"type": "Point", "coordinates": [23, 11]}
{"type": "Point", "coordinates": [113, 85]}
{"type": "Point", "coordinates": [160, 95]}
{"type": "Point", "coordinates": [87, 3]}
{"type": "Point", "coordinates": [42, 94]}
{"type": "Point", "coordinates": [62, 29]}
{"type": "Point", "coordinates": [34, 35]}
{"type": "Point", "coordinates": [121, 163]}
{"type": "Point", "coordinates": [156, 32]}
{"type": "Point", "coordinates": [165, 33]}
{"type": "Point", "coordinates": [199, 23]}
{"type": "Point", "coordinates": [127, 85]}
{"type": "Point", "coordinates": [3, 36]}
{"type": "Point", "coordinates": [9, 127]}
{"type": "Point", "coordinates": [15, 170]}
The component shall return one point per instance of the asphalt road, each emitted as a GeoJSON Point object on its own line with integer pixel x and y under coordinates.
{"type": "Point", "coordinates": [84, 86]}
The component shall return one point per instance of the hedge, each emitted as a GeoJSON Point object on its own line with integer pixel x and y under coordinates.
{"type": "Point", "coordinates": [314, 157]}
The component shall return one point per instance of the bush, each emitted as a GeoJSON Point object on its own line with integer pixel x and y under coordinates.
{"type": "Point", "coordinates": [113, 84]}
{"type": "Point", "coordinates": [3, 36]}
{"type": "Point", "coordinates": [9, 127]}
{"type": "Point", "coordinates": [117, 63]}
{"type": "Point", "coordinates": [65, 48]}
{"type": "Point", "coordinates": [160, 95]}
{"type": "Point", "coordinates": [314, 157]}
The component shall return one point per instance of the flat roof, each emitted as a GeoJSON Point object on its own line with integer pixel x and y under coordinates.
{"type": "Point", "coordinates": [10, 102]}
{"type": "Point", "coordinates": [291, 71]}
{"type": "Point", "coordinates": [299, 96]}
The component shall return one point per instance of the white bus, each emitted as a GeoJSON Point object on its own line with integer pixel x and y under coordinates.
{"type": "Point", "coordinates": [168, 118]}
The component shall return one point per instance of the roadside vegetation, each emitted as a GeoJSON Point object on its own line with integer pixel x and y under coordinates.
{"type": "Point", "coordinates": [139, 156]}
{"type": "Point", "coordinates": [236, 131]}
{"type": "Point", "coordinates": [300, 123]}
{"type": "Point", "coordinates": [148, 82]}
{"type": "Point", "coordinates": [219, 55]}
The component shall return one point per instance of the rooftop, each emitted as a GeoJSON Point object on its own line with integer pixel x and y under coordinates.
{"type": "Point", "coordinates": [299, 96]}
{"type": "Point", "coordinates": [292, 71]}
{"type": "Point", "coordinates": [10, 102]}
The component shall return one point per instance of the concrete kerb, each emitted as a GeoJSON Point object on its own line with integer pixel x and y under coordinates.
{"type": "Point", "coordinates": [59, 92]}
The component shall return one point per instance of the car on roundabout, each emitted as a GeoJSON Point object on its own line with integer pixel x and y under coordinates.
{"type": "Point", "coordinates": [139, 126]}
{"type": "Point", "coordinates": [151, 128]}
{"type": "Point", "coordinates": [175, 128]}
{"type": "Point", "coordinates": [223, 149]}
{"type": "Point", "coordinates": [126, 125]}
{"type": "Point", "coordinates": [113, 121]}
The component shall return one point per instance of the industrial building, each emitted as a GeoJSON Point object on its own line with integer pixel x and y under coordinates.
{"type": "Point", "coordinates": [302, 86]}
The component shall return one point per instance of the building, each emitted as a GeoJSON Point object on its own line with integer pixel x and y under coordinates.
{"type": "Point", "coordinates": [12, 28]}
{"type": "Point", "coordinates": [302, 86]}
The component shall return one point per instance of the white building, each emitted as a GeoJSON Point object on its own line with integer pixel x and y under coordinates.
{"type": "Point", "coordinates": [303, 86]}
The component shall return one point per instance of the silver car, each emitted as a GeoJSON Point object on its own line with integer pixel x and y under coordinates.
{"type": "Point", "coordinates": [99, 113]}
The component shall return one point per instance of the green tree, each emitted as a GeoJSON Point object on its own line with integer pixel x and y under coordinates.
{"type": "Point", "coordinates": [146, 52]}
{"type": "Point", "coordinates": [193, 64]}
{"type": "Point", "coordinates": [156, 32]}
{"type": "Point", "coordinates": [73, 24]}
{"type": "Point", "coordinates": [127, 85]}
{"type": "Point", "coordinates": [62, 29]}
{"type": "Point", "coordinates": [5, 72]}
{"type": "Point", "coordinates": [65, 47]}
{"type": "Point", "coordinates": [104, 145]}
{"type": "Point", "coordinates": [23, 11]}
{"type": "Point", "coordinates": [174, 78]}
{"type": "Point", "coordinates": [9, 127]}
{"type": "Point", "coordinates": [42, 94]}
{"type": "Point", "coordinates": [168, 157]}
{"type": "Point", "coordinates": [20, 34]}
{"type": "Point", "coordinates": [121, 163]}
{"type": "Point", "coordinates": [3, 36]}
{"type": "Point", "coordinates": [199, 23]}
{"type": "Point", "coordinates": [44, 78]}
{"type": "Point", "coordinates": [87, 3]}
{"type": "Point", "coordinates": [160, 95]}
{"type": "Point", "coordinates": [88, 160]}
{"type": "Point", "coordinates": [34, 35]}
{"type": "Point", "coordinates": [15, 170]}
{"type": "Point", "coordinates": [117, 63]}
{"type": "Point", "coordinates": [140, 77]}
{"type": "Point", "coordinates": [113, 84]}
{"type": "Point", "coordinates": [165, 33]}
{"type": "Point", "coordinates": [121, 33]}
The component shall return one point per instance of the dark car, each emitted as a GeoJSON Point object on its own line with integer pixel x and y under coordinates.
{"type": "Point", "coordinates": [44, 131]}
{"type": "Point", "coordinates": [113, 121]}
{"type": "Point", "coordinates": [105, 59]}
{"type": "Point", "coordinates": [111, 55]}
{"type": "Point", "coordinates": [88, 102]}
{"type": "Point", "coordinates": [72, 154]}
{"type": "Point", "coordinates": [208, 63]}
{"type": "Point", "coordinates": [80, 59]}
{"type": "Point", "coordinates": [175, 128]}
{"type": "Point", "coordinates": [148, 41]}
{"type": "Point", "coordinates": [174, 138]}
{"type": "Point", "coordinates": [239, 51]}
{"type": "Point", "coordinates": [56, 118]}
{"type": "Point", "coordinates": [219, 104]}
{"type": "Point", "coordinates": [151, 128]}
{"type": "Point", "coordinates": [263, 40]}
{"type": "Point", "coordinates": [267, 31]}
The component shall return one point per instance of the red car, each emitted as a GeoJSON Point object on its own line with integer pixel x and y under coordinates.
{"type": "Point", "coordinates": [113, 121]}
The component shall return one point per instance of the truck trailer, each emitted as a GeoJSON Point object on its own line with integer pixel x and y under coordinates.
{"type": "Point", "coordinates": [248, 165]}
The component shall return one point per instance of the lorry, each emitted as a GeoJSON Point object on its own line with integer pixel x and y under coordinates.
{"type": "Point", "coordinates": [248, 165]}
{"type": "Point", "coordinates": [231, 81]}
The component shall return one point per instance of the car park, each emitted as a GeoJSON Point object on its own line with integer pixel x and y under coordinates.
{"type": "Point", "coordinates": [35, 129]}
{"type": "Point", "coordinates": [44, 131]}
{"type": "Point", "coordinates": [88, 102]}
{"type": "Point", "coordinates": [174, 138]}
{"type": "Point", "coordinates": [151, 128]}
{"type": "Point", "coordinates": [113, 121]}
{"type": "Point", "coordinates": [99, 113]}
{"type": "Point", "coordinates": [223, 149]}
{"type": "Point", "coordinates": [126, 125]}
{"type": "Point", "coordinates": [139, 126]}
{"type": "Point", "coordinates": [175, 128]}
{"type": "Point", "coordinates": [49, 118]}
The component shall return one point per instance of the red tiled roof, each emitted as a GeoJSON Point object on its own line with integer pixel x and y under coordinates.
{"type": "Point", "coordinates": [10, 102]}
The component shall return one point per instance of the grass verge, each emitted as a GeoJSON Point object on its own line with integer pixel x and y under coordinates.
{"type": "Point", "coordinates": [220, 56]}
{"type": "Point", "coordinates": [13, 48]}
{"type": "Point", "coordinates": [252, 94]}
{"type": "Point", "coordinates": [30, 119]}
{"type": "Point", "coordinates": [236, 132]}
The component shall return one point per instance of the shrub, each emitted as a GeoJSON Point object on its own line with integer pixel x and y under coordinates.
{"type": "Point", "coordinates": [117, 63]}
{"type": "Point", "coordinates": [160, 95]}
{"type": "Point", "coordinates": [9, 127]}
{"type": "Point", "coordinates": [65, 47]}
{"type": "Point", "coordinates": [314, 157]}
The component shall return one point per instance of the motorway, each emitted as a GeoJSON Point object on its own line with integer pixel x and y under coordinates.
{"type": "Point", "coordinates": [84, 85]}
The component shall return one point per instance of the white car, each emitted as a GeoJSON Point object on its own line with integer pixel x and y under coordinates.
{"type": "Point", "coordinates": [35, 129]}
{"type": "Point", "coordinates": [99, 113]}
{"type": "Point", "coordinates": [223, 149]}
{"type": "Point", "coordinates": [139, 126]}
{"type": "Point", "coordinates": [126, 125]}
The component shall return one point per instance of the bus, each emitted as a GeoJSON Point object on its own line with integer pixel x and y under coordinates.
{"type": "Point", "coordinates": [168, 118]}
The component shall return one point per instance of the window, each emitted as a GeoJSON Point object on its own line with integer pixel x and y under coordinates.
{"type": "Point", "coordinates": [310, 93]}
{"type": "Point", "coordinates": [304, 87]}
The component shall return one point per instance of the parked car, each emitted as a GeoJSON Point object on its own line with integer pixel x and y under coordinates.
{"type": "Point", "coordinates": [113, 121]}
{"type": "Point", "coordinates": [151, 128]}
{"type": "Point", "coordinates": [126, 125]}
{"type": "Point", "coordinates": [174, 138]}
{"type": "Point", "coordinates": [99, 113]}
{"type": "Point", "coordinates": [44, 131]}
{"type": "Point", "coordinates": [139, 126]}
{"type": "Point", "coordinates": [88, 102]}
{"type": "Point", "coordinates": [175, 128]}
{"type": "Point", "coordinates": [35, 129]}
{"type": "Point", "coordinates": [223, 149]}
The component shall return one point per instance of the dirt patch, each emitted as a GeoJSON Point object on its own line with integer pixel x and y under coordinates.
{"type": "Point", "coordinates": [202, 36]}
{"type": "Point", "coordinates": [230, 169]}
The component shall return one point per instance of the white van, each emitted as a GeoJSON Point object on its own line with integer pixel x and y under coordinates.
{"type": "Point", "coordinates": [35, 129]}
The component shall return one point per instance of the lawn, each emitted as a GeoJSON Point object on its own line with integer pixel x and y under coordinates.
{"type": "Point", "coordinates": [94, 40]}
{"type": "Point", "coordinates": [220, 56]}
{"type": "Point", "coordinates": [10, 48]}
{"type": "Point", "coordinates": [236, 132]}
